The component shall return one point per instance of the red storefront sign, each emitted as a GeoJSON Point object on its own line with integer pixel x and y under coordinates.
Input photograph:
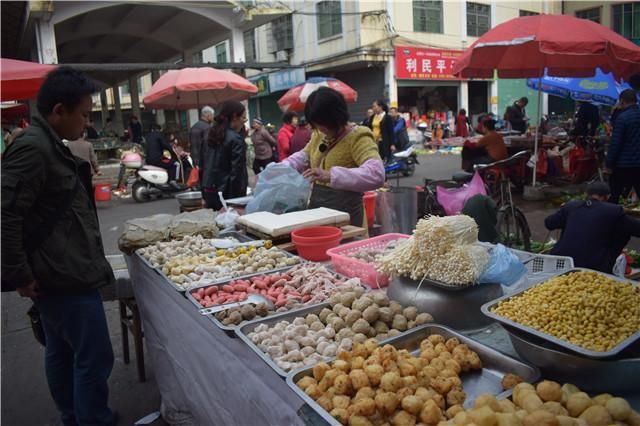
{"type": "Point", "coordinates": [424, 63]}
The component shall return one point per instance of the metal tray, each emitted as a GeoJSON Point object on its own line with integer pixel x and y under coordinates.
{"type": "Point", "coordinates": [486, 309]}
{"type": "Point", "coordinates": [159, 272]}
{"type": "Point", "coordinates": [243, 238]}
{"type": "Point", "coordinates": [244, 329]}
{"type": "Point", "coordinates": [615, 376]}
{"type": "Point", "coordinates": [487, 380]}
{"type": "Point", "coordinates": [231, 329]}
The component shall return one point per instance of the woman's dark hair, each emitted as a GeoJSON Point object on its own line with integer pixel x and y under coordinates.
{"type": "Point", "coordinates": [382, 104]}
{"type": "Point", "coordinates": [489, 124]}
{"type": "Point", "coordinates": [64, 86]}
{"type": "Point", "coordinates": [228, 111]}
{"type": "Point", "coordinates": [326, 107]}
{"type": "Point", "coordinates": [462, 112]}
{"type": "Point", "coordinates": [288, 117]}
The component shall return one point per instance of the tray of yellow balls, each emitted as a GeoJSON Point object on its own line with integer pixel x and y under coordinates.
{"type": "Point", "coordinates": [422, 376]}
{"type": "Point", "coordinates": [590, 313]}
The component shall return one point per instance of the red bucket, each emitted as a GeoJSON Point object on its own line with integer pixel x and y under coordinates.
{"type": "Point", "coordinates": [103, 192]}
{"type": "Point", "coordinates": [370, 206]}
{"type": "Point", "coordinates": [312, 243]}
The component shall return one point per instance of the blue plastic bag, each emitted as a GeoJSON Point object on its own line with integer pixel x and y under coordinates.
{"type": "Point", "coordinates": [504, 267]}
{"type": "Point", "coordinates": [280, 189]}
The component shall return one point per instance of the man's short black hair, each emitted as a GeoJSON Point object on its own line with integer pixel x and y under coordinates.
{"type": "Point", "coordinates": [598, 188]}
{"type": "Point", "coordinates": [628, 96]}
{"type": "Point", "coordinates": [489, 124]}
{"type": "Point", "coordinates": [64, 86]}
{"type": "Point", "coordinates": [288, 117]}
{"type": "Point", "coordinates": [524, 99]}
{"type": "Point", "coordinates": [326, 107]}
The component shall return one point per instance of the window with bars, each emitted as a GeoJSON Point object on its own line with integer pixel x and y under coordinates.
{"type": "Point", "coordinates": [249, 38]}
{"type": "Point", "coordinates": [590, 14]}
{"type": "Point", "coordinates": [626, 20]}
{"type": "Point", "coordinates": [281, 34]}
{"type": "Point", "coordinates": [221, 53]}
{"type": "Point", "coordinates": [528, 13]}
{"type": "Point", "coordinates": [329, 18]}
{"type": "Point", "coordinates": [478, 19]}
{"type": "Point", "coordinates": [427, 16]}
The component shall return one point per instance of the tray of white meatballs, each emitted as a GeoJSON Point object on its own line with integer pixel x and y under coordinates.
{"type": "Point", "coordinates": [304, 337]}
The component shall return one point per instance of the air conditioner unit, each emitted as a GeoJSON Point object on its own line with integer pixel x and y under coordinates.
{"type": "Point", "coordinates": [282, 55]}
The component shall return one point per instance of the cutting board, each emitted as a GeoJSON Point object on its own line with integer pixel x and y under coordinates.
{"type": "Point", "coordinates": [277, 225]}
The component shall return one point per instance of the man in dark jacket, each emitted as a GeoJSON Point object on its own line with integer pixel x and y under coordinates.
{"type": "Point", "coordinates": [160, 152]}
{"type": "Point", "coordinates": [400, 134]}
{"type": "Point", "coordinates": [623, 155]}
{"type": "Point", "coordinates": [52, 249]}
{"type": "Point", "coordinates": [198, 136]}
{"type": "Point", "coordinates": [516, 115]}
{"type": "Point", "coordinates": [594, 232]}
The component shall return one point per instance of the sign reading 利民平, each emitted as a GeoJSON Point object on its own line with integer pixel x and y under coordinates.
{"type": "Point", "coordinates": [420, 63]}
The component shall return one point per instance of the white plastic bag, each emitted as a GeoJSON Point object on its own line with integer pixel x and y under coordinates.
{"type": "Point", "coordinates": [504, 267]}
{"type": "Point", "coordinates": [280, 189]}
{"type": "Point", "coordinates": [620, 266]}
{"type": "Point", "coordinates": [227, 219]}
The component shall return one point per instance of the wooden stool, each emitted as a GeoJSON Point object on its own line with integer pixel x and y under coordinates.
{"type": "Point", "coordinates": [132, 322]}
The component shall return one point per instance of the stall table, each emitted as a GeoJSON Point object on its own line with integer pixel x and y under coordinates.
{"type": "Point", "coordinates": [199, 368]}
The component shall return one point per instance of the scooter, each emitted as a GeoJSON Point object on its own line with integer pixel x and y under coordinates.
{"type": "Point", "coordinates": [151, 181]}
{"type": "Point", "coordinates": [404, 162]}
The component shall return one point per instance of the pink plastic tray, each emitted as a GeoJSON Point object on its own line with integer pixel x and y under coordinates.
{"type": "Point", "coordinates": [352, 267]}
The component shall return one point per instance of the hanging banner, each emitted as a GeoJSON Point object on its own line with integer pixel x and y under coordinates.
{"type": "Point", "coordinates": [425, 63]}
{"type": "Point", "coordinates": [262, 83]}
{"type": "Point", "coordinates": [286, 79]}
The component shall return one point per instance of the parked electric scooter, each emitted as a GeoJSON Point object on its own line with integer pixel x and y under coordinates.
{"type": "Point", "coordinates": [403, 162]}
{"type": "Point", "coordinates": [150, 181]}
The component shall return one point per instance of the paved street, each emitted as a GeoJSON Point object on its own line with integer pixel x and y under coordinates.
{"type": "Point", "coordinates": [23, 381]}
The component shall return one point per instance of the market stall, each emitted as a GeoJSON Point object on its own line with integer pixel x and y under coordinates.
{"type": "Point", "coordinates": [315, 314]}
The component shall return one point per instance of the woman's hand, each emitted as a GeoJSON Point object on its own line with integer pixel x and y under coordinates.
{"type": "Point", "coordinates": [318, 175]}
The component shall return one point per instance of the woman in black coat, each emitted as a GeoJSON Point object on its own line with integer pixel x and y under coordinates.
{"type": "Point", "coordinates": [384, 133]}
{"type": "Point", "coordinates": [225, 162]}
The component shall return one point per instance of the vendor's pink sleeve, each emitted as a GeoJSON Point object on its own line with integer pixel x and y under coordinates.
{"type": "Point", "coordinates": [299, 161]}
{"type": "Point", "coordinates": [368, 177]}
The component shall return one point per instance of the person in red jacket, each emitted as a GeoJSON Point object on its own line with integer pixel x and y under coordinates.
{"type": "Point", "coordinates": [462, 125]}
{"type": "Point", "coordinates": [290, 120]}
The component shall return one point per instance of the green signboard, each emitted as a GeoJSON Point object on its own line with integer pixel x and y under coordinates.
{"type": "Point", "coordinates": [262, 83]}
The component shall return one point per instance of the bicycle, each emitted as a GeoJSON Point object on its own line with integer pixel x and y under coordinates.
{"type": "Point", "coordinates": [512, 225]}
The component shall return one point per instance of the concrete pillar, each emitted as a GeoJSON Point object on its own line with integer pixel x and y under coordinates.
{"type": "Point", "coordinates": [46, 42]}
{"type": "Point", "coordinates": [160, 119]}
{"type": "Point", "coordinates": [135, 97]}
{"type": "Point", "coordinates": [118, 124]}
{"type": "Point", "coordinates": [390, 81]}
{"type": "Point", "coordinates": [545, 103]}
{"type": "Point", "coordinates": [237, 45]}
{"type": "Point", "coordinates": [463, 97]}
{"type": "Point", "coordinates": [104, 107]}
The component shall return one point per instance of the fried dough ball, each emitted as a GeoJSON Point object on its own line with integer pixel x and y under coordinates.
{"type": "Point", "coordinates": [404, 391]}
{"type": "Point", "coordinates": [341, 365]}
{"type": "Point", "coordinates": [453, 410]}
{"type": "Point", "coordinates": [365, 392]}
{"type": "Point", "coordinates": [341, 415]}
{"type": "Point", "coordinates": [456, 397]}
{"type": "Point", "coordinates": [391, 382]}
{"type": "Point", "coordinates": [306, 381]}
{"type": "Point", "coordinates": [313, 391]}
{"type": "Point", "coordinates": [374, 373]}
{"type": "Point", "coordinates": [328, 379]}
{"type": "Point", "coordinates": [619, 408]}
{"type": "Point", "coordinates": [487, 400]}
{"type": "Point", "coordinates": [412, 404]}
{"type": "Point", "coordinates": [549, 391]}
{"type": "Point", "coordinates": [507, 406]}
{"type": "Point", "coordinates": [343, 385]}
{"type": "Point", "coordinates": [387, 402]}
{"type": "Point", "coordinates": [509, 381]}
{"type": "Point", "coordinates": [430, 413]}
{"type": "Point", "coordinates": [363, 407]}
{"type": "Point", "coordinates": [555, 408]}
{"type": "Point", "coordinates": [434, 339]}
{"type": "Point", "coordinates": [359, 379]}
{"type": "Point", "coordinates": [359, 421]}
{"type": "Point", "coordinates": [341, 401]}
{"type": "Point", "coordinates": [441, 385]}
{"type": "Point", "coordinates": [407, 369]}
{"type": "Point", "coordinates": [577, 403]}
{"type": "Point", "coordinates": [325, 402]}
{"type": "Point", "coordinates": [320, 369]}
{"type": "Point", "coordinates": [402, 418]}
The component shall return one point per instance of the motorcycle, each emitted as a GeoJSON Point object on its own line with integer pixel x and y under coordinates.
{"type": "Point", "coordinates": [150, 181]}
{"type": "Point", "coordinates": [403, 162]}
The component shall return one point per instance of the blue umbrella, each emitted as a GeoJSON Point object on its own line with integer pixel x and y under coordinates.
{"type": "Point", "coordinates": [601, 88]}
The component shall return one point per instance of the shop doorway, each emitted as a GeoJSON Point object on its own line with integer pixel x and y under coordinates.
{"type": "Point", "coordinates": [428, 99]}
{"type": "Point", "coordinates": [478, 92]}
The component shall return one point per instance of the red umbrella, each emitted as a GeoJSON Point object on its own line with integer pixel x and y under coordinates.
{"type": "Point", "coordinates": [296, 97]}
{"type": "Point", "coordinates": [21, 79]}
{"type": "Point", "coordinates": [193, 87]}
{"type": "Point", "coordinates": [564, 45]}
